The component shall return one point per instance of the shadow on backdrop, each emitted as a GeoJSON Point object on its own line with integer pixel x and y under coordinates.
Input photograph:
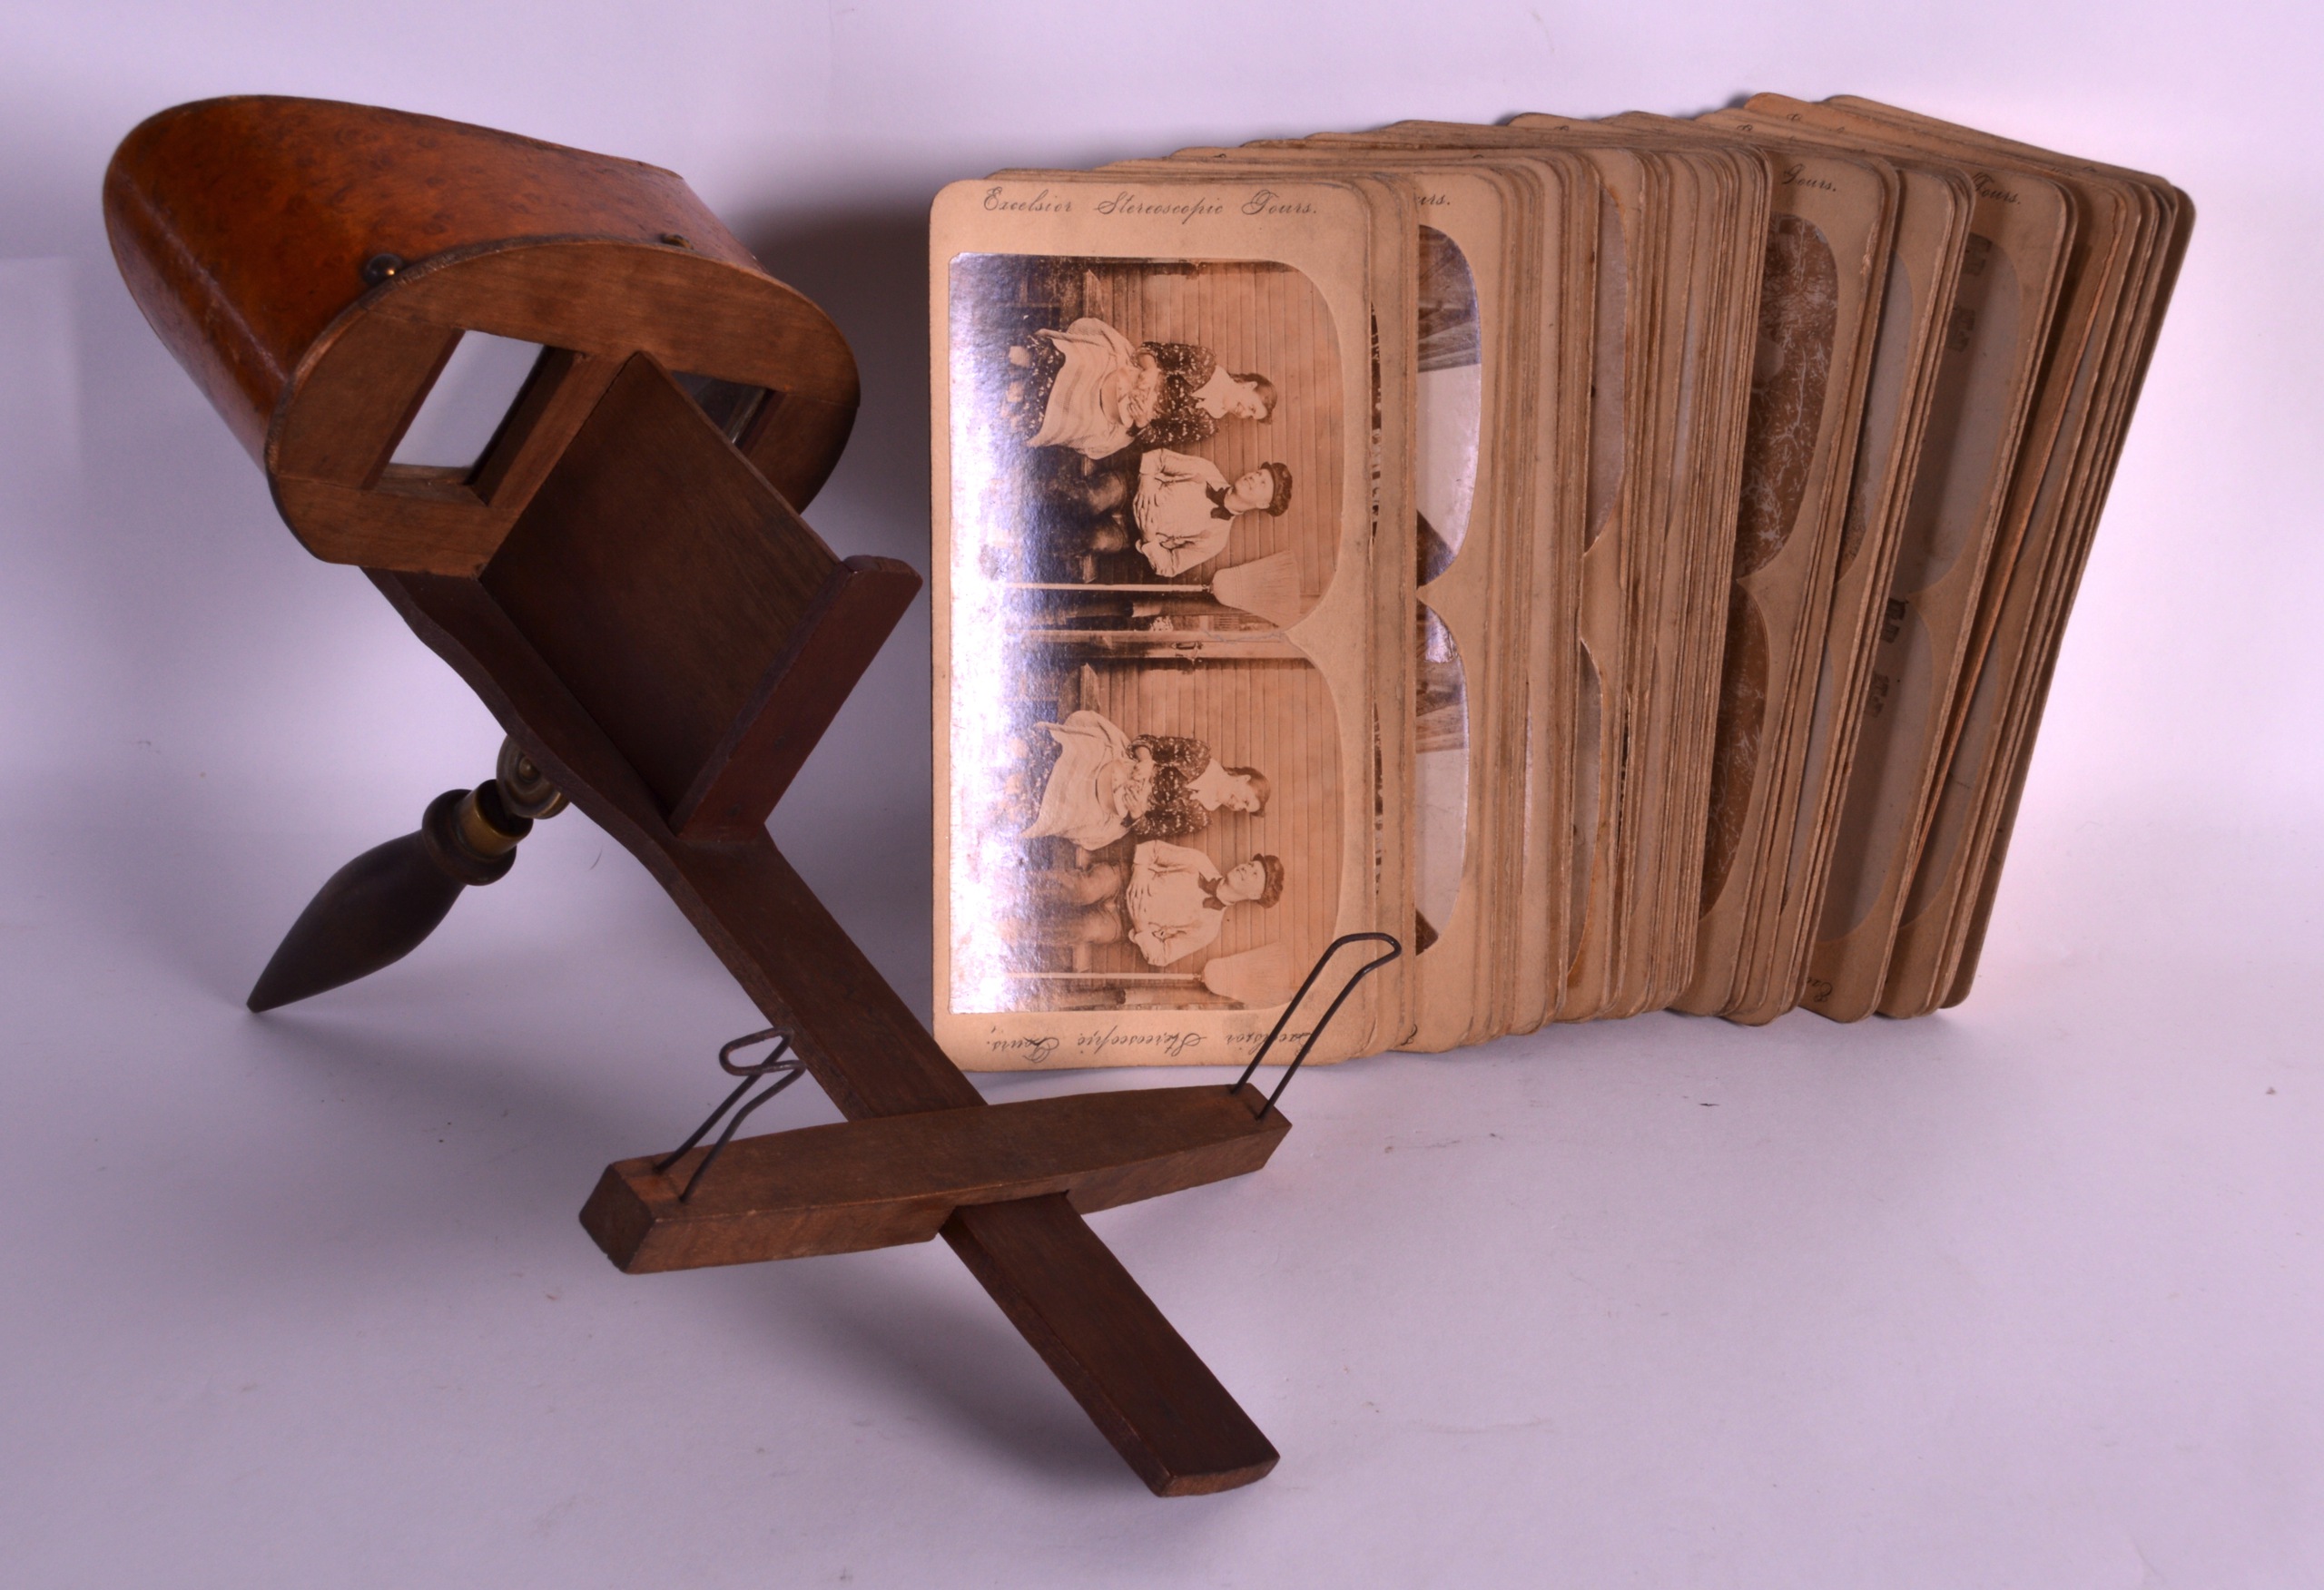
{"type": "Point", "coordinates": [857, 822]}
{"type": "Point", "coordinates": [868, 269]}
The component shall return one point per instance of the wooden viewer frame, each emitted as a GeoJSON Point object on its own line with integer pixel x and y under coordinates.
{"type": "Point", "coordinates": [627, 583]}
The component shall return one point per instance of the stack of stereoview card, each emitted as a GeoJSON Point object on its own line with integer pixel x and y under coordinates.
{"type": "Point", "coordinates": [1624, 560]}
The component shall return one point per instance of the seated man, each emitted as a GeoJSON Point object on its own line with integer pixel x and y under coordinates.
{"type": "Point", "coordinates": [1185, 506]}
{"type": "Point", "coordinates": [1177, 898]}
{"type": "Point", "coordinates": [1169, 901]}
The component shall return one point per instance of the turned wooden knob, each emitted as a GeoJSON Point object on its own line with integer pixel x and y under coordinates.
{"type": "Point", "coordinates": [381, 905]}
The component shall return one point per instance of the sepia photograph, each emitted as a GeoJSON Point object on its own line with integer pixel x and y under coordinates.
{"type": "Point", "coordinates": [1152, 430]}
{"type": "Point", "coordinates": [1147, 461]}
{"type": "Point", "coordinates": [1164, 834]}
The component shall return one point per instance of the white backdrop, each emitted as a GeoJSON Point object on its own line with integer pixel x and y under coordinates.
{"type": "Point", "coordinates": [2025, 1294]}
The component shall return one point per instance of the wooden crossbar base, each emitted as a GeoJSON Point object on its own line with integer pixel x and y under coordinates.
{"type": "Point", "coordinates": [1176, 1427]}
{"type": "Point", "coordinates": [896, 1179]}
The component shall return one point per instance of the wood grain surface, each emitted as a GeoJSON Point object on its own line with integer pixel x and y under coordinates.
{"type": "Point", "coordinates": [252, 231]}
{"type": "Point", "coordinates": [893, 1179]}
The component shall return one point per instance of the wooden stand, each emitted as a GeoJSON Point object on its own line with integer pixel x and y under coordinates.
{"type": "Point", "coordinates": [895, 1179]}
{"type": "Point", "coordinates": [626, 584]}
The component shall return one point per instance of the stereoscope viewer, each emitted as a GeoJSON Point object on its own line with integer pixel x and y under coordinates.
{"type": "Point", "coordinates": [624, 578]}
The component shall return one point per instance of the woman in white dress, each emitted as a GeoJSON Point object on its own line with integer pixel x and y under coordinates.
{"type": "Point", "coordinates": [1090, 389]}
{"type": "Point", "coordinates": [1106, 785]}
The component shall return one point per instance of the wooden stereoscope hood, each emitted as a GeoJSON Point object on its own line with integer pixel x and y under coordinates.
{"type": "Point", "coordinates": [623, 576]}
